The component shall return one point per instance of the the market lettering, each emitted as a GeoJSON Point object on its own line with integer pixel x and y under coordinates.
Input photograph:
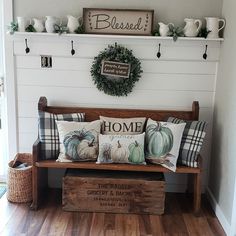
{"type": "Point", "coordinates": [104, 21]}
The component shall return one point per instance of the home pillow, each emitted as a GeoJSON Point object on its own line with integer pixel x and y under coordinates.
{"type": "Point", "coordinates": [192, 141]}
{"type": "Point", "coordinates": [48, 134]}
{"type": "Point", "coordinates": [121, 149]}
{"type": "Point", "coordinates": [163, 142]}
{"type": "Point", "coordinates": [122, 126]}
{"type": "Point", "coordinates": [78, 140]}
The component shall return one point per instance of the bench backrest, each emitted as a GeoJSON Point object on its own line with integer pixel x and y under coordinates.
{"type": "Point", "coordinates": [94, 113]}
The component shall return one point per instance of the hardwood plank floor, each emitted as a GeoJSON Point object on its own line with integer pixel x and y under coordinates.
{"type": "Point", "coordinates": [51, 220]}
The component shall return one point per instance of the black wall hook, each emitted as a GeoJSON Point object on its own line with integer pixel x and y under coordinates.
{"type": "Point", "coordinates": [27, 50]}
{"type": "Point", "coordinates": [205, 53]}
{"type": "Point", "coordinates": [72, 48]}
{"type": "Point", "coordinates": [159, 51]}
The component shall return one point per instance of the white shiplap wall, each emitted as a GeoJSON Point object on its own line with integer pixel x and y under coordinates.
{"type": "Point", "coordinates": [179, 77]}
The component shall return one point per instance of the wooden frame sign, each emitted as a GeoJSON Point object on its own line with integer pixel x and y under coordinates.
{"type": "Point", "coordinates": [118, 21]}
{"type": "Point", "coordinates": [115, 69]}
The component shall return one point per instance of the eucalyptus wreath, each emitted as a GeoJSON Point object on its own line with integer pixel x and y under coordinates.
{"type": "Point", "coordinates": [112, 85]}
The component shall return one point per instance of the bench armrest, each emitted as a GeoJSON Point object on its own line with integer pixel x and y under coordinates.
{"type": "Point", "coordinates": [36, 151]}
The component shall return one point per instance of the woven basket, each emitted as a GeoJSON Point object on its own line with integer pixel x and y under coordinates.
{"type": "Point", "coordinates": [19, 182]}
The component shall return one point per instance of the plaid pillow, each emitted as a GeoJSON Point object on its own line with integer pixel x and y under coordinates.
{"type": "Point", "coordinates": [191, 142]}
{"type": "Point", "coordinates": [48, 133]}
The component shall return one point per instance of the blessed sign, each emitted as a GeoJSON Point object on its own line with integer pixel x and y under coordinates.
{"type": "Point", "coordinates": [119, 21]}
{"type": "Point", "coordinates": [116, 69]}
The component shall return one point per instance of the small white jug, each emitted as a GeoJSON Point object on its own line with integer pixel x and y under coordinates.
{"type": "Point", "coordinates": [212, 25]}
{"type": "Point", "coordinates": [73, 23]}
{"type": "Point", "coordinates": [38, 25]}
{"type": "Point", "coordinates": [22, 23]}
{"type": "Point", "coordinates": [50, 22]}
{"type": "Point", "coordinates": [164, 29]}
{"type": "Point", "coordinates": [191, 29]}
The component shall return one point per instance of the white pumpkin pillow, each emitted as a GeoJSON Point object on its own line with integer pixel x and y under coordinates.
{"type": "Point", "coordinates": [78, 140]}
{"type": "Point", "coordinates": [121, 149]}
{"type": "Point", "coordinates": [163, 143]}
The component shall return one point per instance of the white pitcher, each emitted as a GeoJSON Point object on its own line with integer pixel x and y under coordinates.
{"type": "Point", "coordinates": [38, 25]}
{"type": "Point", "coordinates": [22, 23]}
{"type": "Point", "coordinates": [212, 25]}
{"type": "Point", "coordinates": [164, 29]}
{"type": "Point", "coordinates": [191, 29]}
{"type": "Point", "coordinates": [73, 23]}
{"type": "Point", "coordinates": [49, 23]}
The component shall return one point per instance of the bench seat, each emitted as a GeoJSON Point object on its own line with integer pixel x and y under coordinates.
{"type": "Point", "coordinates": [111, 166]}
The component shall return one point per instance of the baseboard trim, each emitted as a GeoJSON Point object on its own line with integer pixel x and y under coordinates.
{"type": "Point", "coordinates": [220, 215]}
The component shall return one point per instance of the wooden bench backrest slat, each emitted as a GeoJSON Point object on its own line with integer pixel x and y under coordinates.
{"type": "Point", "coordinates": [94, 113]}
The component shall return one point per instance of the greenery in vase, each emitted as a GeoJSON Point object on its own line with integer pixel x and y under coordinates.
{"type": "Point", "coordinates": [175, 32]}
{"type": "Point", "coordinates": [13, 27]}
{"type": "Point", "coordinates": [60, 29]}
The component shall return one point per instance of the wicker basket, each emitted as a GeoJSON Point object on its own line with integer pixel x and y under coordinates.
{"type": "Point", "coordinates": [19, 182]}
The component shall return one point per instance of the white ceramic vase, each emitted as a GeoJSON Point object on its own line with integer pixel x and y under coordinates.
{"type": "Point", "coordinates": [73, 23]}
{"type": "Point", "coordinates": [164, 29]}
{"type": "Point", "coordinates": [22, 23]}
{"type": "Point", "coordinates": [38, 25]}
{"type": "Point", "coordinates": [49, 23]}
{"type": "Point", "coordinates": [212, 25]}
{"type": "Point", "coordinates": [191, 28]}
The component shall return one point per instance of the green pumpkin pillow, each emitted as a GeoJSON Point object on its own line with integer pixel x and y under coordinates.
{"type": "Point", "coordinates": [121, 149]}
{"type": "Point", "coordinates": [163, 142]}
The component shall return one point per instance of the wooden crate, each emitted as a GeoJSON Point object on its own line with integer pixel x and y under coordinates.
{"type": "Point", "coordinates": [113, 191]}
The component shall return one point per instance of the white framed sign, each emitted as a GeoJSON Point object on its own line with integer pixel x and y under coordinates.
{"type": "Point", "coordinates": [118, 21]}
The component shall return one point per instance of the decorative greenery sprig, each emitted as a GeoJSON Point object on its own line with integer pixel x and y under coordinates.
{"type": "Point", "coordinates": [156, 32]}
{"type": "Point", "coordinates": [60, 29]}
{"type": "Point", "coordinates": [203, 33]}
{"type": "Point", "coordinates": [175, 32]}
{"type": "Point", "coordinates": [30, 28]}
{"type": "Point", "coordinates": [13, 27]}
{"type": "Point", "coordinates": [80, 30]}
{"type": "Point", "coordinates": [116, 86]}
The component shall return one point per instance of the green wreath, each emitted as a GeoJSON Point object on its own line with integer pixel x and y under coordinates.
{"type": "Point", "coordinates": [114, 86]}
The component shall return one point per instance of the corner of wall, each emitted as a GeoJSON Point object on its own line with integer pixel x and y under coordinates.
{"type": "Point", "coordinates": [218, 212]}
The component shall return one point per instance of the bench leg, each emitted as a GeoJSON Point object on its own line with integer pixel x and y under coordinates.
{"type": "Point", "coordinates": [39, 181]}
{"type": "Point", "coordinates": [197, 193]}
{"type": "Point", "coordinates": [34, 205]}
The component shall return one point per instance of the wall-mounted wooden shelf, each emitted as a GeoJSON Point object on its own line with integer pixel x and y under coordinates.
{"type": "Point", "coordinates": [107, 36]}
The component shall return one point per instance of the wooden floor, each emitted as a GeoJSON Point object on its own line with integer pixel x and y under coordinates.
{"type": "Point", "coordinates": [17, 219]}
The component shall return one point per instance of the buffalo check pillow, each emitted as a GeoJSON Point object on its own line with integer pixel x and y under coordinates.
{"type": "Point", "coordinates": [191, 142]}
{"type": "Point", "coordinates": [48, 133]}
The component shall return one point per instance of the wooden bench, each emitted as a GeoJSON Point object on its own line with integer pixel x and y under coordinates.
{"type": "Point", "coordinates": [40, 166]}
